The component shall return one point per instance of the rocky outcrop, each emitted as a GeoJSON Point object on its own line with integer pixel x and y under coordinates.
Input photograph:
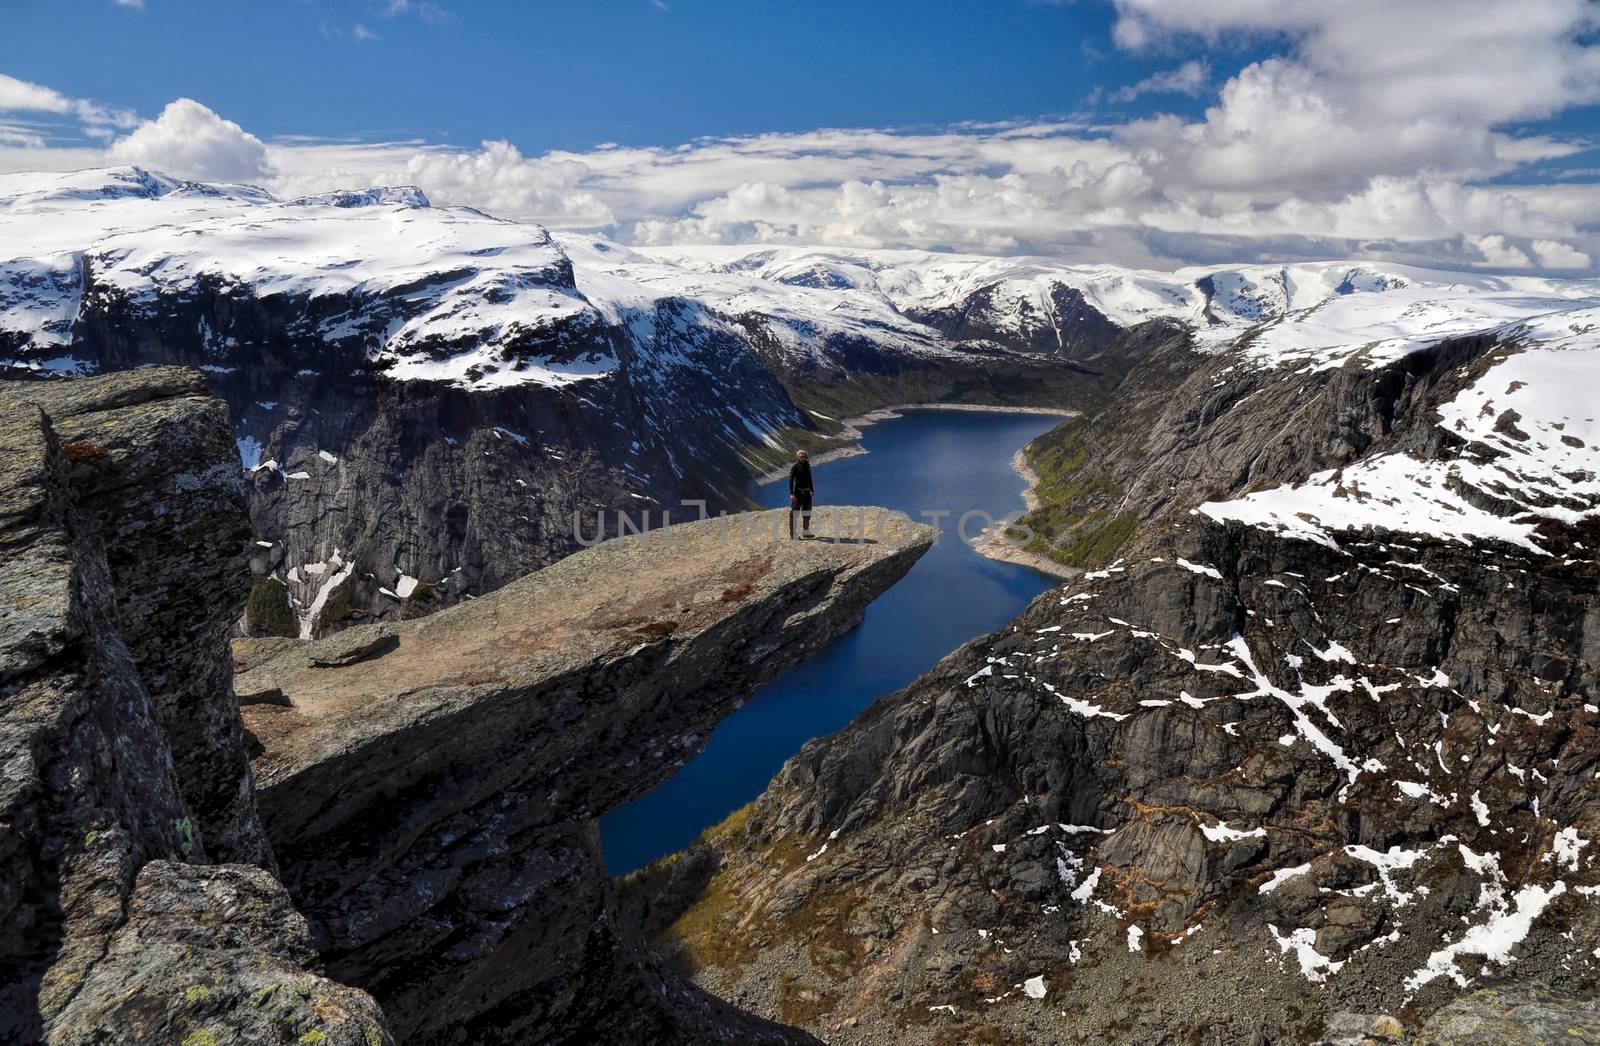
{"type": "Point", "coordinates": [1327, 781]}
{"type": "Point", "coordinates": [211, 954]}
{"type": "Point", "coordinates": [150, 466]}
{"type": "Point", "coordinates": [433, 805]}
{"type": "Point", "coordinates": [121, 754]}
{"type": "Point", "coordinates": [1513, 1018]}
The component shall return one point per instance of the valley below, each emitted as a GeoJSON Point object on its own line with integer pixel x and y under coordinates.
{"type": "Point", "coordinates": [935, 466]}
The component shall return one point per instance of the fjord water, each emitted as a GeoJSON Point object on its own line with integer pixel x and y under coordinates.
{"type": "Point", "coordinates": [925, 460]}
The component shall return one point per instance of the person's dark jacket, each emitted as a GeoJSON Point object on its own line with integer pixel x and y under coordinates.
{"type": "Point", "coordinates": [800, 478]}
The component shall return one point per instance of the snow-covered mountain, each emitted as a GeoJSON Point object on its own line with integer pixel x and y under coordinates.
{"type": "Point", "coordinates": [382, 357]}
{"type": "Point", "coordinates": [1021, 297]}
{"type": "Point", "coordinates": [425, 396]}
{"type": "Point", "coordinates": [435, 294]}
{"type": "Point", "coordinates": [452, 294]}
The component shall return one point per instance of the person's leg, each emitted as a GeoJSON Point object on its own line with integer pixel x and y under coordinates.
{"type": "Point", "coordinates": [805, 518]}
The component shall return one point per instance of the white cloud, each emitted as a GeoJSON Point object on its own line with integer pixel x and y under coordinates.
{"type": "Point", "coordinates": [1491, 61]}
{"type": "Point", "coordinates": [1369, 87]}
{"type": "Point", "coordinates": [1377, 130]}
{"type": "Point", "coordinates": [1502, 255]}
{"type": "Point", "coordinates": [554, 190]}
{"type": "Point", "coordinates": [22, 96]}
{"type": "Point", "coordinates": [135, 5]}
{"type": "Point", "coordinates": [190, 141]}
{"type": "Point", "coordinates": [1190, 78]}
{"type": "Point", "coordinates": [499, 179]}
{"type": "Point", "coordinates": [1553, 254]}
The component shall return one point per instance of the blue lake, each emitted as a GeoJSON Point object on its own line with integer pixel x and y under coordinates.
{"type": "Point", "coordinates": [926, 460]}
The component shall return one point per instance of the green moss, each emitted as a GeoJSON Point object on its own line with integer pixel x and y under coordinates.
{"type": "Point", "coordinates": [731, 828]}
{"type": "Point", "coordinates": [313, 1038]}
{"type": "Point", "coordinates": [336, 608]}
{"type": "Point", "coordinates": [196, 993]}
{"type": "Point", "coordinates": [1075, 522]}
{"type": "Point", "coordinates": [89, 838]}
{"type": "Point", "coordinates": [262, 997]}
{"type": "Point", "coordinates": [373, 1033]}
{"type": "Point", "coordinates": [200, 1037]}
{"type": "Point", "coordinates": [267, 611]}
{"type": "Point", "coordinates": [708, 934]}
{"type": "Point", "coordinates": [185, 829]}
{"type": "Point", "coordinates": [1092, 541]}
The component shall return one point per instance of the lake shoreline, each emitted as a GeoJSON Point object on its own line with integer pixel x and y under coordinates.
{"type": "Point", "coordinates": [852, 427]}
{"type": "Point", "coordinates": [994, 544]}
{"type": "Point", "coordinates": [952, 460]}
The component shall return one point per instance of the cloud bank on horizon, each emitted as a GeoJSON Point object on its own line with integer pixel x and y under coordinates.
{"type": "Point", "coordinates": [1405, 132]}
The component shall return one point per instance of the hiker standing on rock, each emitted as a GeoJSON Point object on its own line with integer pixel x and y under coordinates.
{"type": "Point", "coordinates": [800, 492]}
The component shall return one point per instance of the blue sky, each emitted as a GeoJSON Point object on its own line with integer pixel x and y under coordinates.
{"type": "Point", "coordinates": [1151, 132]}
{"type": "Point", "coordinates": [563, 75]}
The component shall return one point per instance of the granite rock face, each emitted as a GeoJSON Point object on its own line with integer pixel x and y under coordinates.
{"type": "Point", "coordinates": [215, 954]}
{"type": "Point", "coordinates": [150, 463]}
{"type": "Point", "coordinates": [122, 529]}
{"type": "Point", "coordinates": [433, 806]}
{"type": "Point", "coordinates": [1240, 780]}
{"type": "Point", "coordinates": [1513, 1018]}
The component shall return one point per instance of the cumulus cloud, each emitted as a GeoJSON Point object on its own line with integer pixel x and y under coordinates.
{"type": "Point", "coordinates": [1553, 254]}
{"type": "Point", "coordinates": [1490, 62]}
{"type": "Point", "coordinates": [1502, 255]}
{"type": "Point", "coordinates": [190, 141]}
{"type": "Point", "coordinates": [498, 178]}
{"type": "Point", "coordinates": [1421, 85]}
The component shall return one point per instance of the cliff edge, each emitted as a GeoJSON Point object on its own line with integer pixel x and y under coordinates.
{"type": "Point", "coordinates": [432, 786]}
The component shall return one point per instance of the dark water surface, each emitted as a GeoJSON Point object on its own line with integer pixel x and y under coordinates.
{"type": "Point", "coordinates": [926, 460]}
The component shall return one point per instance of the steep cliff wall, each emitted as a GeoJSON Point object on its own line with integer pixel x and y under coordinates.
{"type": "Point", "coordinates": [1318, 738]}
{"type": "Point", "coordinates": [122, 526]}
